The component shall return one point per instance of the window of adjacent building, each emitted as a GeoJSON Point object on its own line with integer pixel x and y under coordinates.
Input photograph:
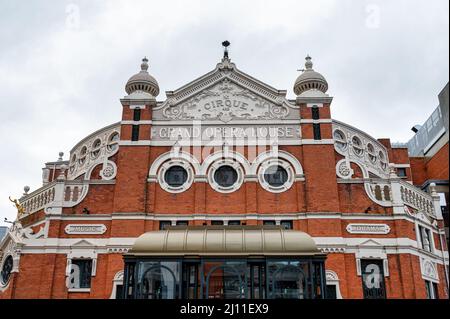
{"type": "Point", "coordinates": [373, 279]}
{"type": "Point", "coordinates": [225, 176]}
{"type": "Point", "coordinates": [137, 115]}
{"type": "Point", "coordinates": [217, 222]}
{"type": "Point", "coordinates": [269, 222]}
{"type": "Point", "coordinates": [234, 223]}
{"type": "Point", "coordinates": [316, 130]}
{"type": "Point", "coordinates": [276, 176]}
{"type": "Point", "coordinates": [431, 289]}
{"type": "Point", "coordinates": [401, 172]}
{"type": "Point", "coordinates": [164, 223]}
{"type": "Point", "coordinates": [176, 176]}
{"type": "Point", "coordinates": [82, 272]}
{"type": "Point", "coordinates": [182, 223]}
{"type": "Point", "coordinates": [315, 113]}
{"type": "Point", "coordinates": [425, 238]}
{"type": "Point", "coordinates": [287, 224]}
{"type": "Point", "coordinates": [135, 133]}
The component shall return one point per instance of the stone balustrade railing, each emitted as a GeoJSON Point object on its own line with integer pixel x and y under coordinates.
{"type": "Point", "coordinates": [38, 199]}
{"type": "Point", "coordinates": [416, 198]}
{"type": "Point", "coordinates": [60, 193]}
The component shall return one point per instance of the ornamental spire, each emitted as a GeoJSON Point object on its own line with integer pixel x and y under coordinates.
{"type": "Point", "coordinates": [226, 44]}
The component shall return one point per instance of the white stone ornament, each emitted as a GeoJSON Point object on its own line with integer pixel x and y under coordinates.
{"type": "Point", "coordinates": [226, 101]}
{"type": "Point", "coordinates": [109, 171]}
{"type": "Point", "coordinates": [373, 229]}
{"type": "Point", "coordinates": [85, 229]}
{"type": "Point", "coordinates": [343, 170]}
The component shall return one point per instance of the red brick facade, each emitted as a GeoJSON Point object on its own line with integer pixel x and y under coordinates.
{"type": "Point", "coordinates": [319, 203]}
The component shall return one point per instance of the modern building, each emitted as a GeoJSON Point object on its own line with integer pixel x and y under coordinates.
{"type": "Point", "coordinates": [3, 230]}
{"type": "Point", "coordinates": [429, 154]}
{"type": "Point", "coordinates": [227, 189]}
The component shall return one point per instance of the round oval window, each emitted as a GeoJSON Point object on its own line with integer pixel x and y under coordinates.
{"type": "Point", "coordinates": [225, 176]}
{"type": "Point", "coordinates": [176, 176]}
{"type": "Point", "coordinates": [6, 270]}
{"type": "Point", "coordinates": [276, 176]}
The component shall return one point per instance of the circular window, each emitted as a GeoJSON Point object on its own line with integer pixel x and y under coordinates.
{"type": "Point", "coordinates": [96, 148]}
{"type": "Point", "coordinates": [371, 153]}
{"type": "Point", "coordinates": [176, 176]}
{"type": "Point", "coordinates": [276, 176]}
{"type": "Point", "coordinates": [73, 163]}
{"type": "Point", "coordinates": [382, 158]}
{"type": "Point", "coordinates": [358, 149]}
{"type": "Point", "coordinates": [83, 153]}
{"type": "Point", "coordinates": [339, 138]}
{"type": "Point", "coordinates": [7, 267]}
{"type": "Point", "coordinates": [113, 142]}
{"type": "Point", "coordinates": [226, 176]}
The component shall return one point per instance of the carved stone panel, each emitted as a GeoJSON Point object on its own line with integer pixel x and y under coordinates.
{"type": "Point", "coordinates": [226, 101]}
{"type": "Point", "coordinates": [368, 229]}
{"type": "Point", "coordinates": [85, 229]}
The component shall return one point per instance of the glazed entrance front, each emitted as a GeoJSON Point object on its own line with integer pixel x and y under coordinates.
{"type": "Point", "coordinates": [217, 262]}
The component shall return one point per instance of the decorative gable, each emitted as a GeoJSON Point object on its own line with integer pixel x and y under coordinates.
{"type": "Point", "coordinates": [226, 94]}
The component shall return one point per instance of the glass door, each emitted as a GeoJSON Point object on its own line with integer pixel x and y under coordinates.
{"type": "Point", "coordinates": [190, 280]}
{"type": "Point", "coordinates": [256, 280]}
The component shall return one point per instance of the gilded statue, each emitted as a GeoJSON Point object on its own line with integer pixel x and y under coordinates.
{"type": "Point", "coordinates": [19, 207]}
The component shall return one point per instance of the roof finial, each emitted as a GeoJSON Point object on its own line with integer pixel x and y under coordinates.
{"type": "Point", "coordinates": [144, 65]}
{"type": "Point", "coordinates": [225, 44]}
{"type": "Point", "coordinates": [308, 63]}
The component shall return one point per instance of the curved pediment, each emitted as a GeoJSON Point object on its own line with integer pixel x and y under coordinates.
{"type": "Point", "coordinates": [226, 94]}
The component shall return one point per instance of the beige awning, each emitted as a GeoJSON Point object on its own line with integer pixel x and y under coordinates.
{"type": "Point", "coordinates": [224, 241]}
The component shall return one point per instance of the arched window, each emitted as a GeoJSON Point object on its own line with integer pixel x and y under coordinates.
{"type": "Point", "coordinates": [289, 282]}
{"type": "Point", "coordinates": [159, 282]}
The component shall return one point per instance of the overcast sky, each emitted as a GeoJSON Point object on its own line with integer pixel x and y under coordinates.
{"type": "Point", "coordinates": [64, 64]}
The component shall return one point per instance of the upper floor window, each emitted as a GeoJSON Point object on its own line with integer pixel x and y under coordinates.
{"type": "Point", "coordinates": [135, 133]}
{"type": "Point", "coordinates": [287, 224]}
{"type": "Point", "coordinates": [137, 115]}
{"type": "Point", "coordinates": [269, 222]}
{"type": "Point", "coordinates": [217, 222]}
{"type": "Point", "coordinates": [425, 238]}
{"type": "Point", "coordinates": [182, 223]}
{"type": "Point", "coordinates": [315, 113]}
{"type": "Point", "coordinates": [317, 134]}
{"type": "Point", "coordinates": [225, 176]}
{"type": "Point", "coordinates": [276, 176]}
{"type": "Point", "coordinates": [81, 273]}
{"type": "Point", "coordinates": [401, 172]}
{"type": "Point", "coordinates": [163, 224]}
{"type": "Point", "coordinates": [176, 176]}
{"type": "Point", "coordinates": [234, 223]}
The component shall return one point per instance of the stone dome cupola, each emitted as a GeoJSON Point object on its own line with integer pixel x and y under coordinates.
{"type": "Point", "coordinates": [310, 80]}
{"type": "Point", "coordinates": [143, 81]}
